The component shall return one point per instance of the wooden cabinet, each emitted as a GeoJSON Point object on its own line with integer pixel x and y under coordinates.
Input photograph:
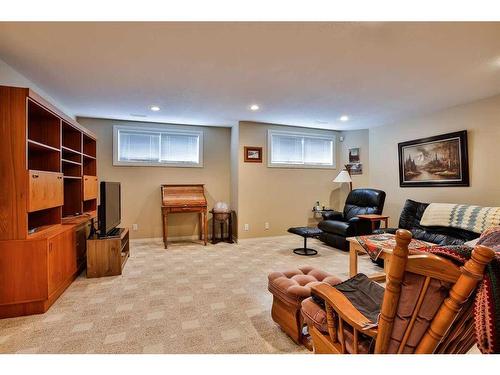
{"type": "Point", "coordinates": [44, 156]}
{"type": "Point", "coordinates": [36, 272]}
{"type": "Point", "coordinates": [89, 187]}
{"type": "Point", "coordinates": [45, 190]}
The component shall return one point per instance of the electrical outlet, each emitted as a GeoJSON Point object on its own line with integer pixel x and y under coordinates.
{"type": "Point", "coordinates": [135, 227]}
{"type": "Point", "coordinates": [266, 225]}
{"type": "Point", "coordinates": [246, 227]}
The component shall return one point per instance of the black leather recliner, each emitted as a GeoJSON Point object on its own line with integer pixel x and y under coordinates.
{"type": "Point", "coordinates": [410, 219]}
{"type": "Point", "coordinates": [337, 226]}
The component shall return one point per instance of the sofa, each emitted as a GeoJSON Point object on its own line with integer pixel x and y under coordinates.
{"type": "Point", "coordinates": [337, 226]}
{"type": "Point", "coordinates": [410, 219]}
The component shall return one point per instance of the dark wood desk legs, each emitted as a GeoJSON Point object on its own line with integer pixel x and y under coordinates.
{"type": "Point", "coordinates": [205, 226]}
{"type": "Point", "coordinates": [200, 226]}
{"type": "Point", "coordinates": [165, 228]}
{"type": "Point", "coordinates": [202, 230]}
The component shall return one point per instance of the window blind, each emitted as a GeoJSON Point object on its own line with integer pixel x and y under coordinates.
{"type": "Point", "coordinates": [295, 149]}
{"type": "Point", "coordinates": [136, 146]}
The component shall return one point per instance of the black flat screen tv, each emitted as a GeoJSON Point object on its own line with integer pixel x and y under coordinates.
{"type": "Point", "coordinates": [110, 207]}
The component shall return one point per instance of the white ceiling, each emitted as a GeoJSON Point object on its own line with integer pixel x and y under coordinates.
{"type": "Point", "coordinates": [305, 74]}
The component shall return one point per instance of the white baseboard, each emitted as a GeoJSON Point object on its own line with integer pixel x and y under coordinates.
{"type": "Point", "coordinates": [178, 238]}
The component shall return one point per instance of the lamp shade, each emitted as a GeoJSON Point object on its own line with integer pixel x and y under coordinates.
{"type": "Point", "coordinates": [343, 176]}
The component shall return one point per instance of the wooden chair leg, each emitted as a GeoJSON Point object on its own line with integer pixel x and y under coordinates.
{"type": "Point", "coordinates": [353, 261]}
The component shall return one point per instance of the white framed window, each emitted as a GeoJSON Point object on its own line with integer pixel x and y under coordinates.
{"type": "Point", "coordinates": [300, 150]}
{"type": "Point", "coordinates": [141, 146]}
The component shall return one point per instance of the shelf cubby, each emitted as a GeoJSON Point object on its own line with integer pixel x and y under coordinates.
{"type": "Point", "coordinates": [72, 169]}
{"type": "Point", "coordinates": [44, 218]}
{"type": "Point", "coordinates": [89, 166]}
{"type": "Point", "coordinates": [43, 126]}
{"type": "Point", "coordinates": [71, 137]}
{"type": "Point", "coordinates": [43, 158]}
{"type": "Point", "coordinates": [89, 146]}
{"type": "Point", "coordinates": [71, 155]}
{"type": "Point", "coordinates": [90, 205]}
{"type": "Point", "coordinates": [72, 197]}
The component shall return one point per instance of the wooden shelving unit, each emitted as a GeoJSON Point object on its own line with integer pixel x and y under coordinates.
{"type": "Point", "coordinates": [74, 167]}
{"type": "Point", "coordinates": [89, 169]}
{"type": "Point", "coordinates": [43, 216]}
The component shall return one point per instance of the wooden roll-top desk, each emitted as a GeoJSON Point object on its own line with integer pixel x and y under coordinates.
{"type": "Point", "coordinates": [182, 199]}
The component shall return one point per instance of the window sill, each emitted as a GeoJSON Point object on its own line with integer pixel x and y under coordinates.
{"type": "Point", "coordinates": [301, 166]}
{"type": "Point", "coordinates": [146, 164]}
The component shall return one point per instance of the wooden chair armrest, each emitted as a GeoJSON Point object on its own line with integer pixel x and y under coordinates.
{"type": "Point", "coordinates": [344, 308]}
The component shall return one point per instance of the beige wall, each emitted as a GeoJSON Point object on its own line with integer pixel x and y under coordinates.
{"type": "Point", "coordinates": [481, 119]}
{"type": "Point", "coordinates": [141, 185]}
{"type": "Point", "coordinates": [283, 197]}
{"type": "Point", "coordinates": [353, 139]}
{"type": "Point", "coordinates": [11, 77]}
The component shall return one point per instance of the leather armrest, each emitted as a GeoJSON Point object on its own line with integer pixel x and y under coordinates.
{"type": "Point", "coordinates": [333, 215]}
{"type": "Point", "coordinates": [344, 308]}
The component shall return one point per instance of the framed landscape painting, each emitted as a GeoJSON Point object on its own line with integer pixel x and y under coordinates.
{"type": "Point", "coordinates": [435, 161]}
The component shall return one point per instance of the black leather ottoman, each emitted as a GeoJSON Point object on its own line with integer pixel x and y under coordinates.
{"type": "Point", "coordinates": [306, 232]}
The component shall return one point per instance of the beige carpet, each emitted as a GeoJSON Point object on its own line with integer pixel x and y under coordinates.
{"type": "Point", "coordinates": [187, 299]}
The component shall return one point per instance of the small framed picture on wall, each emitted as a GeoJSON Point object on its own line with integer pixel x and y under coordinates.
{"type": "Point", "coordinates": [354, 155]}
{"type": "Point", "coordinates": [252, 154]}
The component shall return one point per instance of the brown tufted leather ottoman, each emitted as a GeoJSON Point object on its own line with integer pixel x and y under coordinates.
{"type": "Point", "coordinates": [289, 289]}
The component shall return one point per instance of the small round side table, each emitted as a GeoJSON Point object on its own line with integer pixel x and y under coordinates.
{"type": "Point", "coordinates": [227, 217]}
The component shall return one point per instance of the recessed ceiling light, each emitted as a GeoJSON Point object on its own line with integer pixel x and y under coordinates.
{"type": "Point", "coordinates": [154, 108]}
{"type": "Point", "coordinates": [344, 118]}
{"type": "Point", "coordinates": [254, 107]}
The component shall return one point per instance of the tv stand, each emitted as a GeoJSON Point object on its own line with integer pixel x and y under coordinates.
{"type": "Point", "coordinates": [106, 256]}
{"type": "Point", "coordinates": [116, 232]}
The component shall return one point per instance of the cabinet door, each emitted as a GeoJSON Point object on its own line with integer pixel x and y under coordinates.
{"type": "Point", "coordinates": [62, 263]}
{"type": "Point", "coordinates": [45, 190]}
{"type": "Point", "coordinates": [89, 187]}
{"type": "Point", "coordinates": [23, 271]}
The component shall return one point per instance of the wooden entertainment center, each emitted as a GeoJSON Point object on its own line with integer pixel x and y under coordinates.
{"type": "Point", "coordinates": [48, 174]}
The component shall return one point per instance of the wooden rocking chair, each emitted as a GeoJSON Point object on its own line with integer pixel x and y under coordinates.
{"type": "Point", "coordinates": [425, 308]}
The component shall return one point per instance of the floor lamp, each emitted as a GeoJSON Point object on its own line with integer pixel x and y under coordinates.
{"type": "Point", "coordinates": [344, 176]}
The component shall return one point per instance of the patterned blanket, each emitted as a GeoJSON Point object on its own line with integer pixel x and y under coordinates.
{"type": "Point", "coordinates": [376, 243]}
{"type": "Point", "coordinates": [487, 297]}
{"type": "Point", "coordinates": [463, 216]}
